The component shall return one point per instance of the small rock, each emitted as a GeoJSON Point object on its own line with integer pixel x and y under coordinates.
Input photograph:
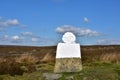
{"type": "Point", "coordinates": [51, 76]}
{"type": "Point", "coordinates": [69, 78]}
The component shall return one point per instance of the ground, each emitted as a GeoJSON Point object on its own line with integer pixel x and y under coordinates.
{"type": "Point", "coordinates": [34, 63]}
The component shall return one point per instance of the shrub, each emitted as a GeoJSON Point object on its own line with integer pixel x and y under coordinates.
{"type": "Point", "coordinates": [27, 59]}
{"type": "Point", "coordinates": [10, 67]}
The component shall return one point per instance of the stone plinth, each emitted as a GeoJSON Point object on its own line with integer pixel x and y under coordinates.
{"type": "Point", "coordinates": [68, 55]}
{"type": "Point", "coordinates": [68, 65]}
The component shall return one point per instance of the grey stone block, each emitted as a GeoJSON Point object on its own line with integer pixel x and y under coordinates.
{"type": "Point", "coordinates": [68, 65]}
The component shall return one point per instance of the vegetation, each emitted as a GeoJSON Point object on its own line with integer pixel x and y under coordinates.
{"type": "Point", "coordinates": [91, 71]}
{"type": "Point", "coordinates": [29, 63]}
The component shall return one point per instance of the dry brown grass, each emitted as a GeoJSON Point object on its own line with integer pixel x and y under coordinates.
{"type": "Point", "coordinates": [2, 59]}
{"type": "Point", "coordinates": [48, 58]}
{"type": "Point", "coordinates": [47, 54]}
{"type": "Point", "coordinates": [111, 57]}
{"type": "Point", "coordinates": [27, 59]}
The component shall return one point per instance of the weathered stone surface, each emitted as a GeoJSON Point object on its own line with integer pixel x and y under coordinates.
{"type": "Point", "coordinates": [68, 65]}
{"type": "Point", "coordinates": [51, 76]}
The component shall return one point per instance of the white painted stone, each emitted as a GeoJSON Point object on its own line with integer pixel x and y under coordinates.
{"type": "Point", "coordinates": [69, 38]}
{"type": "Point", "coordinates": [68, 49]}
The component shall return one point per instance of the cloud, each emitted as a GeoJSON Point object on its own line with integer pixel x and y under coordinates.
{"type": "Point", "coordinates": [43, 41]}
{"type": "Point", "coordinates": [13, 22]}
{"type": "Point", "coordinates": [4, 38]}
{"type": "Point", "coordinates": [12, 39]}
{"type": "Point", "coordinates": [86, 19]}
{"type": "Point", "coordinates": [27, 33]}
{"type": "Point", "coordinates": [38, 39]}
{"type": "Point", "coordinates": [9, 22]}
{"type": "Point", "coordinates": [77, 31]}
{"type": "Point", "coordinates": [16, 39]}
{"type": "Point", "coordinates": [35, 39]}
{"type": "Point", "coordinates": [106, 41]}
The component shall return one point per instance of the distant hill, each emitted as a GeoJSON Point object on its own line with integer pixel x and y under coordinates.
{"type": "Point", "coordinates": [89, 53]}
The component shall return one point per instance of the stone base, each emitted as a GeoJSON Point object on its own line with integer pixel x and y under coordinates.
{"type": "Point", "coordinates": [68, 65]}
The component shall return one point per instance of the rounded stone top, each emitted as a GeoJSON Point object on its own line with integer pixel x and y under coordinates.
{"type": "Point", "coordinates": [69, 37]}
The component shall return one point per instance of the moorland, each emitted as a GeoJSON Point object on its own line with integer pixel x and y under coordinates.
{"type": "Point", "coordinates": [100, 62]}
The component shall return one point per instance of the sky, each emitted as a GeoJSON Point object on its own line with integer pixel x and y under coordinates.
{"type": "Point", "coordinates": [43, 22]}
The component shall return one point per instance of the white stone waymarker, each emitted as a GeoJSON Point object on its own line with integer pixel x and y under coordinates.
{"type": "Point", "coordinates": [68, 55]}
{"type": "Point", "coordinates": [66, 49]}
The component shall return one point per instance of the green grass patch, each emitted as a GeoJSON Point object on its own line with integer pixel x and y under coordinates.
{"type": "Point", "coordinates": [91, 71]}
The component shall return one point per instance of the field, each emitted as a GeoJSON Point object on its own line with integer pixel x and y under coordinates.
{"type": "Point", "coordinates": [37, 63]}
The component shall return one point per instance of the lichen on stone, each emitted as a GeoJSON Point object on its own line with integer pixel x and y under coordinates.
{"type": "Point", "coordinates": [68, 65]}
